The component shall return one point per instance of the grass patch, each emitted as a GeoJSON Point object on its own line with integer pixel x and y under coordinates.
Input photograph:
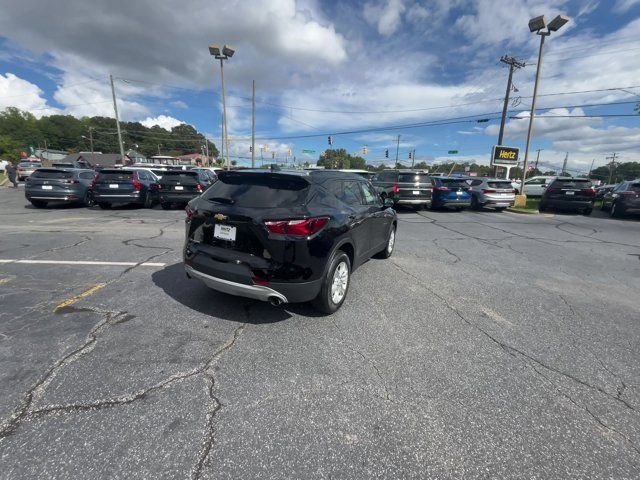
{"type": "Point", "coordinates": [3, 176]}
{"type": "Point", "coordinates": [532, 205]}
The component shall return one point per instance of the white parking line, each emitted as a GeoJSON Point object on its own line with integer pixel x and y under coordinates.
{"type": "Point", "coordinates": [81, 262]}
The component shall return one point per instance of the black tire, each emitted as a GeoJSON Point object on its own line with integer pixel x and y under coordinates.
{"type": "Point", "coordinates": [542, 207]}
{"type": "Point", "coordinates": [587, 211]}
{"type": "Point", "coordinates": [104, 205]}
{"type": "Point", "coordinates": [459, 209]}
{"type": "Point", "coordinates": [324, 301]}
{"type": "Point", "coordinates": [165, 206]}
{"type": "Point", "coordinates": [500, 209]}
{"type": "Point", "coordinates": [38, 203]}
{"type": "Point", "coordinates": [434, 205]}
{"type": "Point", "coordinates": [88, 200]}
{"type": "Point", "coordinates": [475, 205]}
{"type": "Point", "coordinates": [391, 240]}
{"type": "Point", "coordinates": [616, 211]}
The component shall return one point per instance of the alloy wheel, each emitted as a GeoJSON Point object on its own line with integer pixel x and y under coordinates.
{"type": "Point", "coordinates": [339, 283]}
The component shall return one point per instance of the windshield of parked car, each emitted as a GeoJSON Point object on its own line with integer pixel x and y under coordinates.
{"type": "Point", "coordinates": [52, 174]}
{"type": "Point", "coordinates": [261, 190]}
{"type": "Point", "coordinates": [412, 177]}
{"type": "Point", "coordinates": [572, 183]}
{"type": "Point", "coordinates": [500, 185]}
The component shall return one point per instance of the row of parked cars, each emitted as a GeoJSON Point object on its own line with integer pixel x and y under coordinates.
{"type": "Point", "coordinates": [144, 186]}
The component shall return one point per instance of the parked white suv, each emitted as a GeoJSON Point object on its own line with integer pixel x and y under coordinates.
{"type": "Point", "coordinates": [536, 186]}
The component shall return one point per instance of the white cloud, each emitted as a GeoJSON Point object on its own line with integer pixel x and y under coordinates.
{"type": "Point", "coordinates": [17, 92]}
{"type": "Point", "coordinates": [179, 104]}
{"type": "Point", "coordinates": [387, 17]}
{"type": "Point", "coordinates": [163, 121]}
{"type": "Point", "coordinates": [623, 6]}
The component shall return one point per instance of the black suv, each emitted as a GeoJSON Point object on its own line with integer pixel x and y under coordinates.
{"type": "Point", "coordinates": [624, 198]}
{"type": "Point", "coordinates": [286, 236]}
{"type": "Point", "coordinates": [181, 186]}
{"type": "Point", "coordinates": [115, 185]}
{"type": "Point", "coordinates": [569, 193]}
{"type": "Point", "coordinates": [404, 187]}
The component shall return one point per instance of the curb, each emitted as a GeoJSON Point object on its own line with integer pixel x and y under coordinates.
{"type": "Point", "coordinates": [520, 212]}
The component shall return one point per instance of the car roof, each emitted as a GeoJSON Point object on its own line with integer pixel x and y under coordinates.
{"type": "Point", "coordinates": [297, 173]}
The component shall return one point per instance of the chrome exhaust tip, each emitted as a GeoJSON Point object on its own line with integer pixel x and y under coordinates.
{"type": "Point", "coordinates": [275, 301]}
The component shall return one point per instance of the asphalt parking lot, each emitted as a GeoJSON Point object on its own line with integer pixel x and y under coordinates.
{"type": "Point", "coordinates": [490, 345]}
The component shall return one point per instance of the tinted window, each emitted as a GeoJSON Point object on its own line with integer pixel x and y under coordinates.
{"type": "Point", "coordinates": [122, 176]}
{"type": "Point", "coordinates": [414, 177]}
{"type": "Point", "coordinates": [505, 185]}
{"type": "Point", "coordinates": [370, 195]}
{"type": "Point", "coordinates": [634, 187]}
{"type": "Point", "coordinates": [535, 181]}
{"type": "Point", "coordinates": [454, 183]}
{"type": "Point", "coordinates": [86, 175]}
{"type": "Point", "coordinates": [258, 190]}
{"type": "Point", "coordinates": [51, 174]}
{"type": "Point", "coordinates": [180, 177]}
{"type": "Point", "coordinates": [572, 183]}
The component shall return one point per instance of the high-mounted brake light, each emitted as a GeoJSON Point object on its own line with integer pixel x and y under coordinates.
{"type": "Point", "coordinates": [301, 228]}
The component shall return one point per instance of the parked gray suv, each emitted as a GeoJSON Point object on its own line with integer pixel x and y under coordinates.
{"type": "Point", "coordinates": [491, 192]}
{"type": "Point", "coordinates": [59, 185]}
{"type": "Point", "coordinates": [404, 187]}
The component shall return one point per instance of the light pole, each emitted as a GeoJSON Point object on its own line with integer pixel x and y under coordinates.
{"type": "Point", "coordinates": [91, 143]}
{"type": "Point", "coordinates": [226, 54]}
{"type": "Point", "coordinates": [538, 25]}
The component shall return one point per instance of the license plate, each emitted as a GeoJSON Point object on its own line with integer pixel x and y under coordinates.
{"type": "Point", "coordinates": [416, 192]}
{"type": "Point", "coordinates": [113, 185]}
{"type": "Point", "coordinates": [570, 193]}
{"type": "Point", "coordinates": [179, 188]}
{"type": "Point", "coordinates": [47, 187]}
{"type": "Point", "coordinates": [225, 232]}
{"type": "Point", "coordinates": [459, 193]}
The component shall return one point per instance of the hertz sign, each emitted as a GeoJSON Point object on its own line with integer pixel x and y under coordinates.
{"type": "Point", "coordinates": [504, 155]}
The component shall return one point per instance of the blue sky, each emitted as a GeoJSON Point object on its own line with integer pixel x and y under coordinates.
{"type": "Point", "coordinates": [334, 67]}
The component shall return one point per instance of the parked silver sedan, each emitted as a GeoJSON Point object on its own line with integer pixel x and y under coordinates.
{"type": "Point", "coordinates": [496, 193]}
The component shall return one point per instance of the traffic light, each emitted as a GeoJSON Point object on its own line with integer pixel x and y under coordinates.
{"type": "Point", "coordinates": [250, 149]}
{"type": "Point", "coordinates": [330, 140]}
{"type": "Point", "coordinates": [409, 155]}
{"type": "Point", "coordinates": [386, 153]}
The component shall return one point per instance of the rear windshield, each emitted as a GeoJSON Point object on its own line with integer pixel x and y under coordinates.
{"type": "Point", "coordinates": [51, 174]}
{"type": "Point", "coordinates": [414, 177]}
{"type": "Point", "coordinates": [573, 183]}
{"type": "Point", "coordinates": [124, 176]}
{"type": "Point", "coordinates": [258, 190]}
{"type": "Point", "coordinates": [454, 183]}
{"type": "Point", "coordinates": [29, 164]}
{"type": "Point", "coordinates": [634, 187]}
{"type": "Point", "coordinates": [180, 177]}
{"type": "Point", "coordinates": [499, 185]}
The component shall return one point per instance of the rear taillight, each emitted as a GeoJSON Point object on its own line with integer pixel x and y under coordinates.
{"type": "Point", "coordinates": [136, 184]}
{"type": "Point", "coordinates": [553, 190]}
{"type": "Point", "coordinates": [442, 189]}
{"type": "Point", "coordinates": [589, 191]}
{"type": "Point", "coordinates": [396, 189]}
{"type": "Point", "coordinates": [488, 190]}
{"type": "Point", "coordinates": [190, 212]}
{"type": "Point", "coordinates": [200, 188]}
{"type": "Point", "coordinates": [302, 228]}
{"type": "Point", "coordinates": [95, 180]}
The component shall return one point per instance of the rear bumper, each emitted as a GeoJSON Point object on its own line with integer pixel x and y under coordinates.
{"type": "Point", "coordinates": [412, 201]}
{"type": "Point", "coordinates": [498, 202]}
{"type": "Point", "coordinates": [114, 197]}
{"type": "Point", "coordinates": [284, 292]}
{"type": "Point", "coordinates": [569, 205]}
{"type": "Point", "coordinates": [53, 196]}
{"type": "Point", "coordinates": [177, 197]}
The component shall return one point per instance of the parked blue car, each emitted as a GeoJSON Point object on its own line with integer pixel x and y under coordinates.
{"type": "Point", "coordinates": [450, 192]}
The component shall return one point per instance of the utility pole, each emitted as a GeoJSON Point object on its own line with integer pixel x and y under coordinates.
{"type": "Point", "coordinates": [611, 164]}
{"type": "Point", "coordinates": [591, 168]}
{"type": "Point", "coordinates": [159, 149]}
{"type": "Point", "coordinates": [115, 109]}
{"type": "Point", "coordinates": [253, 126]}
{"type": "Point", "coordinates": [537, 158]}
{"type": "Point", "coordinates": [206, 148]}
{"type": "Point", "coordinates": [46, 150]}
{"type": "Point", "coordinates": [91, 143]}
{"type": "Point", "coordinates": [222, 138]}
{"type": "Point", "coordinates": [564, 164]}
{"type": "Point", "coordinates": [397, 150]}
{"type": "Point", "coordinates": [514, 64]}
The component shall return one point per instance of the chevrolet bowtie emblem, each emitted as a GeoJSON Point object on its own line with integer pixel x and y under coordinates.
{"type": "Point", "coordinates": [220, 217]}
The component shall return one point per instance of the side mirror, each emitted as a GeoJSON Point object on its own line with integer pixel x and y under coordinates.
{"type": "Point", "coordinates": [388, 202]}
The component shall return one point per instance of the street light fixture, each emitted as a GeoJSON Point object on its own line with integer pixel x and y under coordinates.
{"type": "Point", "coordinates": [226, 54]}
{"type": "Point", "coordinates": [538, 25]}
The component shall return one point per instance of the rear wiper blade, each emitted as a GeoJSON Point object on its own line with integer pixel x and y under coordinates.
{"type": "Point", "coordinates": [228, 201]}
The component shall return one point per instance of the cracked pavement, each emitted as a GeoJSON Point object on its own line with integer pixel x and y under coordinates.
{"type": "Point", "coordinates": [490, 345]}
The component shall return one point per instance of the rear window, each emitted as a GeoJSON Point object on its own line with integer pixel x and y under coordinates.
{"type": "Point", "coordinates": [454, 183]}
{"type": "Point", "coordinates": [52, 174]}
{"type": "Point", "coordinates": [180, 177]}
{"type": "Point", "coordinates": [29, 164]}
{"type": "Point", "coordinates": [123, 176]}
{"type": "Point", "coordinates": [573, 183]}
{"type": "Point", "coordinates": [500, 185]}
{"type": "Point", "coordinates": [414, 177]}
{"type": "Point", "coordinates": [258, 190]}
